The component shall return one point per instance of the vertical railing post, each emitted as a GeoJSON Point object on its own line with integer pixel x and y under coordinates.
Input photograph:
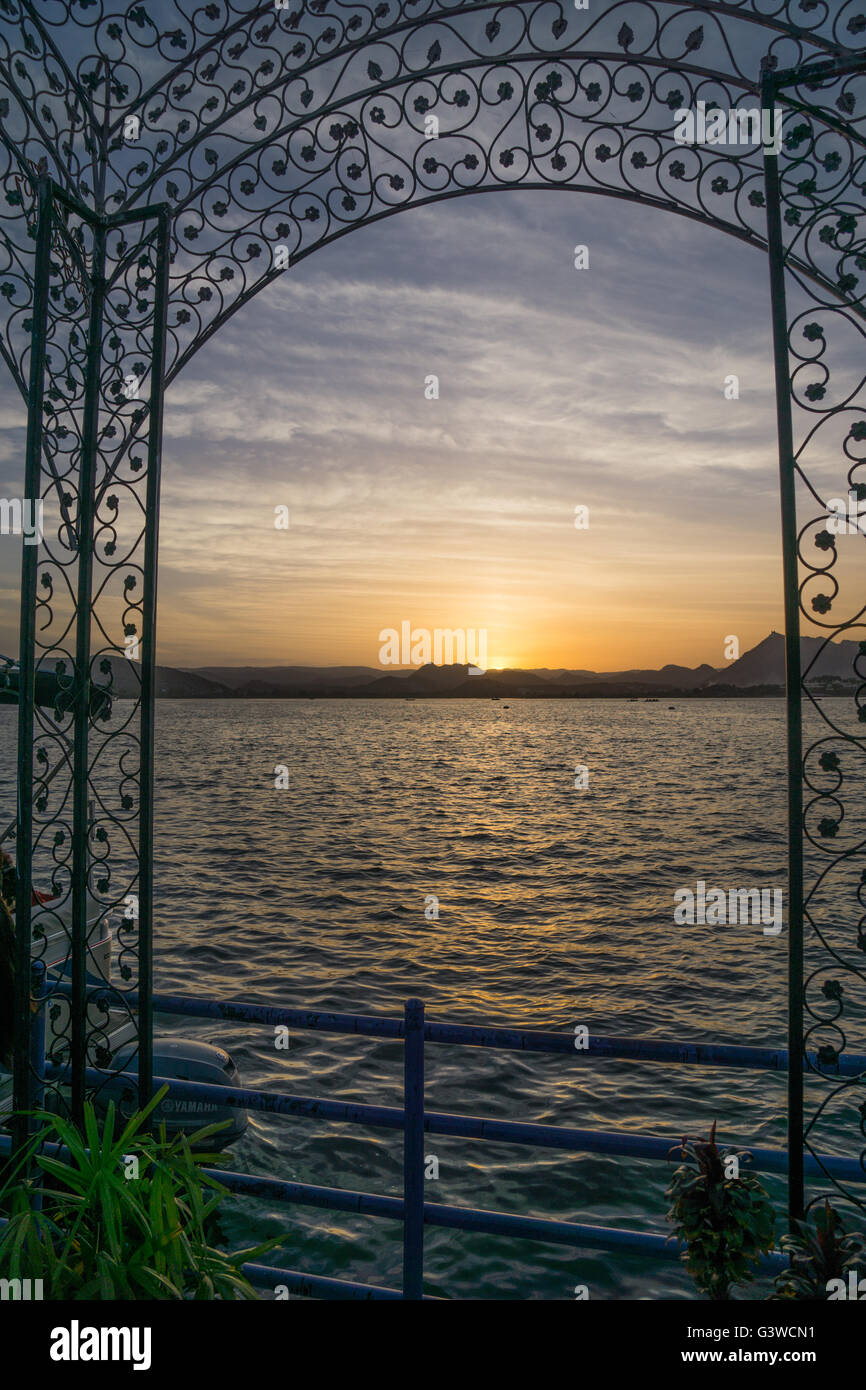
{"type": "Point", "coordinates": [37, 1035]}
{"type": "Point", "coordinates": [81, 850]}
{"type": "Point", "coordinates": [793, 679]}
{"type": "Point", "coordinates": [27, 649]}
{"type": "Point", "coordinates": [148, 669]}
{"type": "Point", "coordinates": [38, 1026]}
{"type": "Point", "coordinates": [413, 1150]}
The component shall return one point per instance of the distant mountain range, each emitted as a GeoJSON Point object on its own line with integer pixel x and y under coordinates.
{"type": "Point", "coordinates": [760, 671]}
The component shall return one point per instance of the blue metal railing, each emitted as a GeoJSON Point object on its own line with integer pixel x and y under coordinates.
{"type": "Point", "coordinates": [414, 1121]}
{"type": "Point", "coordinates": [512, 1039]}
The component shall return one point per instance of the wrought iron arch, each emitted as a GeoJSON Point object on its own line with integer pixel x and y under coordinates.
{"type": "Point", "coordinates": [162, 163]}
{"type": "Point", "coordinates": [330, 89]}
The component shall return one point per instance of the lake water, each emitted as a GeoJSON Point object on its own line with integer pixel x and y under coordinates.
{"type": "Point", "coordinates": [555, 909]}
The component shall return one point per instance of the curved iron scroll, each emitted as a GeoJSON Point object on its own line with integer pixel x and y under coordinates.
{"type": "Point", "coordinates": [266, 128]}
{"type": "Point", "coordinates": [820, 220]}
{"type": "Point", "coordinates": [87, 617]}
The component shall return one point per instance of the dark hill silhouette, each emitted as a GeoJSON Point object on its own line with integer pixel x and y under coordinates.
{"type": "Point", "coordinates": [765, 663]}
{"type": "Point", "coordinates": [171, 683]}
{"type": "Point", "coordinates": [759, 671]}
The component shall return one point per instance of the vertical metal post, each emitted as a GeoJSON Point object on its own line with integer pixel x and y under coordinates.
{"type": "Point", "coordinates": [81, 784]}
{"type": "Point", "coordinates": [148, 664]}
{"type": "Point", "coordinates": [27, 660]}
{"type": "Point", "coordinates": [413, 1150]}
{"type": "Point", "coordinates": [37, 1035]}
{"type": "Point", "coordinates": [793, 684]}
{"type": "Point", "coordinates": [37, 1053]}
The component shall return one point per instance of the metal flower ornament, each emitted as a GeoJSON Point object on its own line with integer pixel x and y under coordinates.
{"type": "Point", "coordinates": [163, 162]}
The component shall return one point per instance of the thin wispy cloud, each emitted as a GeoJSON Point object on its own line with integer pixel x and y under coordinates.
{"type": "Point", "coordinates": [557, 387]}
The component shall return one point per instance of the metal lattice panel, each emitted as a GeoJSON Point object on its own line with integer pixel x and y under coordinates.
{"type": "Point", "coordinates": [264, 127]}
{"type": "Point", "coordinates": [822, 388]}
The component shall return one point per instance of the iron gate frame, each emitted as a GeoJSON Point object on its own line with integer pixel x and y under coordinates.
{"type": "Point", "coordinates": [172, 242]}
{"type": "Point", "coordinates": [773, 83]}
{"type": "Point", "coordinates": [50, 199]}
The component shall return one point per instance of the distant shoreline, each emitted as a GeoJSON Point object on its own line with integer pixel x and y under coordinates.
{"type": "Point", "coordinates": [757, 674]}
{"type": "Point", "coordinates": [717, 693]}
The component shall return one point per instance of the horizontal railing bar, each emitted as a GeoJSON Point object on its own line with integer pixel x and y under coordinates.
{"type": "Point", "coordinates": [243, 1098]}
{"type": "Point", "coordinates": [599, 1141]}
{"type": "Point", "coordinates": [308, 1285]}
{"type": "Point", "coordinates": [308, 1194]}
{"type": "Point", "coordinates": [509, 1039]}
{"type": "Point", "coordinates": [315, 1285]}
{"type": "Point", "coordinates": [471, 1035]}
{"type": "Point", "coordinates": [587, 1237]}
{"type": "Point", "coordinates": [622, 1144]}
{"type": "Point", "coordinates": [498, 1223]}
{"type": "Point", "coordinates": [369, 1025]}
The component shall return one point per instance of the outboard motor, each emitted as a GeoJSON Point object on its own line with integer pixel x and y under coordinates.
{"type": "Point", "coordinates": [183, 1059]}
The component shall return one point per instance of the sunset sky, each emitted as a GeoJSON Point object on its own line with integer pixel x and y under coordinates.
{"type": "Point", "coordinates": [601, 387]}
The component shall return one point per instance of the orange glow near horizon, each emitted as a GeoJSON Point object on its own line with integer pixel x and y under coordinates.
{"type": "Point", "coordinates": [620, 598]}
{"type": "Point", "coordinates": [344, 629]}
{"type": "Point", "coordinates": [462, 513]}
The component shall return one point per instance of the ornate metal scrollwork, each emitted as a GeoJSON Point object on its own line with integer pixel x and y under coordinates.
{"type": "Point", "coordinates": [93, 373]}
{"type": "Point", "coordinates": [823, 181]}
{"type": "Point", "coordinates": [263, 127]}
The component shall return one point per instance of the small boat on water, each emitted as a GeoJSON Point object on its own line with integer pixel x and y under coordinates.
{"type": "Point", "coordinates": [113, 1044]}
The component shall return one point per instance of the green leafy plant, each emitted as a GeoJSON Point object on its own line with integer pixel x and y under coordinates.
{"type": "Point", "coordinates": [726, 1220]}
{"type": "Point", "coordinates": [818, 1254]}
{"type": "Point", "coordinates": [123, 1215]}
